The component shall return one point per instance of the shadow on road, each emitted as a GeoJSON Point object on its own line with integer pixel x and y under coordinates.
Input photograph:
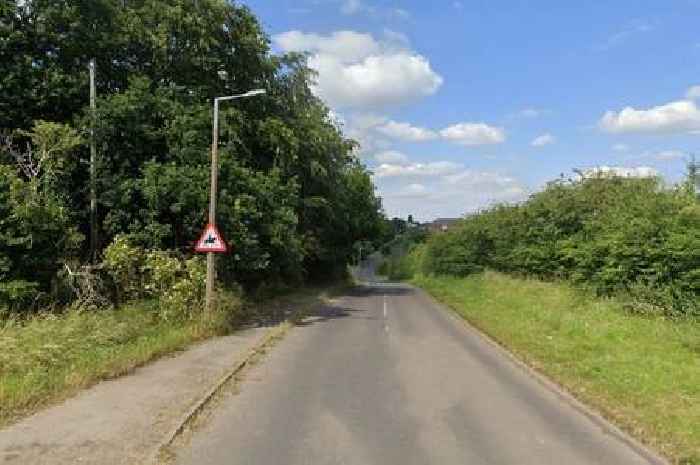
{"type": "Point", "coordinates": [326, 312]}
{"type": "Point", "coordinates": [305, 309]}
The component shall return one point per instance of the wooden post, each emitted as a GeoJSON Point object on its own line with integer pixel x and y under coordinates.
{"type": "Point", "coordinates": [93, 166]}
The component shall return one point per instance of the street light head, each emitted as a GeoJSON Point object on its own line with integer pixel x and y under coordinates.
{"type": "Point", "coordinates": [252, 93]}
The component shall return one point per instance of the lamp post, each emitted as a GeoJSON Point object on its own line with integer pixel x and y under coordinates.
{"type": "Point", "coordinates": [211, 264]}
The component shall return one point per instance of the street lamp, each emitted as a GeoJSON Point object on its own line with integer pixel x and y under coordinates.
{"type": "Point", "coordinates": [211, 267]}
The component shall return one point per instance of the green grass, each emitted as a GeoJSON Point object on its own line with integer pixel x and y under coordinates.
{"type": "Point", "coordinates": [642, 373]}
{"type": "Point", "coordinates": [50, 357]}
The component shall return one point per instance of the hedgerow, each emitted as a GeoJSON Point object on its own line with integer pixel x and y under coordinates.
{"type": "Point", "coordinates": [614, 235]}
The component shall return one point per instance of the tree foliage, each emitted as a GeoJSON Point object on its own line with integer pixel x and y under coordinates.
{"type": "Point", "coordinates": [293, 198]}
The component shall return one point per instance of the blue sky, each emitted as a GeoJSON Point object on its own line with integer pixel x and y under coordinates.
{"type": "Point", "coordinates": [460, 104]}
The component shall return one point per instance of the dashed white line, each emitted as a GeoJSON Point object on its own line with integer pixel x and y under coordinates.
{"type": "Point", "coordinates": [386, 322]}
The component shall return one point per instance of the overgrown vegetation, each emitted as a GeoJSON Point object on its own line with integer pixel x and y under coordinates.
{"type": "Point", "coordinates": [294, 201]}
{"type": "Point", "coordinates": [617, 236]}
{"type": "Point", "coordinates": [48, 357]}
{"type": "Point", "coordinates": [293, 198]}
{"type": "Point", "coordinates": [640, 372]}
{"type": "Point", "coordinates": [403, 253]}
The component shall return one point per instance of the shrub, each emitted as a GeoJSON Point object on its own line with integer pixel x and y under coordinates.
{"type": "Point", "coordinates": [178, 284]}
{"type": "Point", "coordinates": [614, 235]}
{"type": "Point", "coordinates": [183, 296]}
{"type": "Point", "coordinates": [124, 263]}
{"type": "Point", "coordinates": [161, 271]}
{"type": "Point", "coordinates": [17, 295]}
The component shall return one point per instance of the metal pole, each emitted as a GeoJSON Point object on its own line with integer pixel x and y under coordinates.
{"type": "Point", "coordinates": [211, 257]}
{"type": "Point", "coordinates": [93, 167]}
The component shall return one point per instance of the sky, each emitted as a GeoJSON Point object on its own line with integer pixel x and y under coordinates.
{"type": "Point", "coordinates": [462, 104]}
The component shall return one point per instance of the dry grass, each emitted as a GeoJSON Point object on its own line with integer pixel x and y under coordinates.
{"type": "Point", "coordinates": [642, 373]}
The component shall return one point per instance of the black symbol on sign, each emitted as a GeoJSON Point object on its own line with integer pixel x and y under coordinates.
{"type": "Point", "coordinates": [211, 240]}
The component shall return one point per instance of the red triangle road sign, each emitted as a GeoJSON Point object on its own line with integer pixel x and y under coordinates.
{"type": "Point", "coordinates": [211, 240]}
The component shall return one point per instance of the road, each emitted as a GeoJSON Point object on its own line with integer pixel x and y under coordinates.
{"type": "Point", "coordinates": [385, 376]}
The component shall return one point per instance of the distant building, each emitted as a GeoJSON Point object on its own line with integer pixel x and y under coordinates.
{"type": "Point", "coordinates": [442, 224]}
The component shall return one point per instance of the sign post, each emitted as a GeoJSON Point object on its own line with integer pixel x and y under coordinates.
{"type": "Point", "coordinates": [211, 264]}
{"type": "Point", "coordinates": [214, 189]}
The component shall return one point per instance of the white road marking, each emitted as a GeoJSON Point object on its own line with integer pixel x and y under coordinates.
{"type": "Point", "coordinates": [386, 322]}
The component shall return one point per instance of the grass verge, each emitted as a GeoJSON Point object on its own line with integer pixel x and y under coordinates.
{"type": "Point", "coordinates": [51, 357]}
{"type": "Point", "coordinates": [642, 373]}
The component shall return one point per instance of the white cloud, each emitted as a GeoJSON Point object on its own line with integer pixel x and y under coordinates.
{"type": "Point", "coordinates": [461, 133]}
{"type": "Point", "coordinates": [355, 7]}
{"type": "Point", "coordinates": [477, 177]}
{"type": "Point", "coordinates": [375, 132]}
{"type": "Point", "coordinates": [415, 190]}
{"type": "Point", "coordinates": [674, 117]}
{"type": "Point", "coordinates": [345, 46]}
{"type": "Point", "coordinates": [391, 157]}
{"type": "Point", "coordinates": [441, 189]}
{"type": "Point", "coordinates": [620, 172]}
{"type": "Point", "coordinates": [377, 81]}
{"type": "Point", "coordinates": [406, 132]}
{"type": "Point", "coordinates": [351, 7]}
{"type": "Point", "coordinates": [474, 134]}
{"type": "Point", "coordinates": [544, 139]}
{"type": "Point", "coordinates": [357, 71]}
{"type": "Point", "coordinates": [693, 93]}
{"type": "Point", "coordinates": [397, 39]}
{"type": "Point", "coordinates": [438, 168]}
{"type": "Point", "coordinates": [529, 113]}
{"type": "Point", "coordinates": [667, 155]}
{"type": "Point", "coordinates": [451, 195]}
{"type": "Point", "coordinates": [620, 148]}
{"type": "Point", "coordinates": [664, 155]}
{"type": "Point", "coordinates": [362, 128]}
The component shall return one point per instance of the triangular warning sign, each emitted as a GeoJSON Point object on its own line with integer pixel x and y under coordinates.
{"type": "Point", "coordinates": [211, 240]}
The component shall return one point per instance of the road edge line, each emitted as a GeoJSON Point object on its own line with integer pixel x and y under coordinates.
{"type": "Point", "coordinates": [644, 451]}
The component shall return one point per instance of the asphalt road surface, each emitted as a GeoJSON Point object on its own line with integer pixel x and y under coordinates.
{"type": "Point", "coordinates": [385, 376]}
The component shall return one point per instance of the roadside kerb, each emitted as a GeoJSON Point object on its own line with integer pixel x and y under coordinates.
{"type": "Point", "coordinates": [272, 336]}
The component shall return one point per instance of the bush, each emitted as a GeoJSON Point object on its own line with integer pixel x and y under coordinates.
{"type": "Point", "coordinates": [614, 235]}
{"type": "Point", "coordinates": [183, 296]}
{"type": "Point", "coordinates": [402, 265]}
{"type": "Point", "coordinates": [403, 255]}
{"type": "Point", "coordinates": [125, 262]}
{"type": "Point", "coordinates": [177, 283]}
{"type": "Point", "coordinates": [17, 295]}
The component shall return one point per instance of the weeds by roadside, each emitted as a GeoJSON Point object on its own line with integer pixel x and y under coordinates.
{"type": "Point", "coordinates": [50, 357]}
